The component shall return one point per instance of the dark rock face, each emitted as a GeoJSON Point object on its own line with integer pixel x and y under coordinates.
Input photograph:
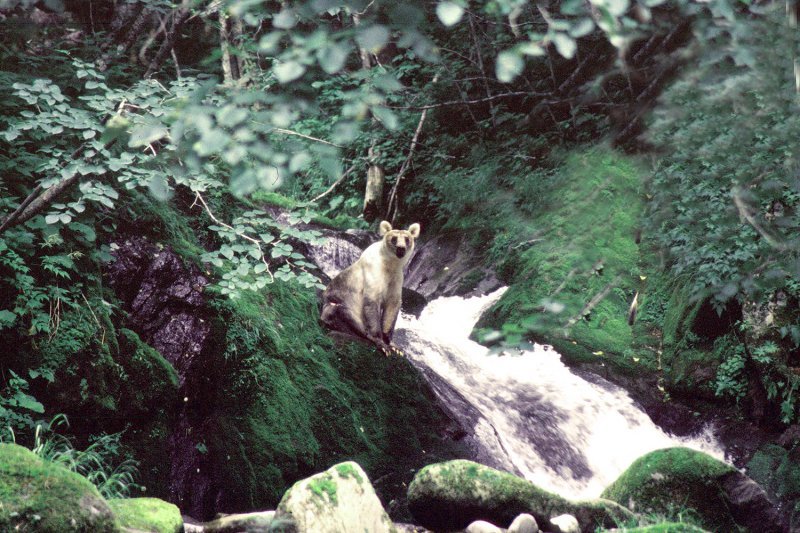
{"type": "Point", "coordinates": [164, 298]}
{"type": "Point", "coordinates": [448, 265]}
{"type": "Point", "coordinates": [750, 505]}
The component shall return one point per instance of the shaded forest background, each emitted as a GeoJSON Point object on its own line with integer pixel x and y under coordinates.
{"type": "Point", "coordinates": [597, 152]}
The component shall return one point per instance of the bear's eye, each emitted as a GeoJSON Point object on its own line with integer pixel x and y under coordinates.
{"type": "Point", "coordinates": [394, 240]}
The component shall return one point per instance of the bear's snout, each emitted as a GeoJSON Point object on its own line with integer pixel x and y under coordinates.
{"type": "Point", "coordinates": [400, 252]}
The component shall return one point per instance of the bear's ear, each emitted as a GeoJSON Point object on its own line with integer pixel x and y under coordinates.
{"type": "Point", "coordinates": [385, 228]}
{"type": "Point", "coordinates": [413, 229]}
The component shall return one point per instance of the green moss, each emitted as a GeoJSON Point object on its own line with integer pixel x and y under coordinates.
{"type": "Point", "coordinates": [666, 527]}
{"type": "Point", "coordinates": [147, 514]}
{"type": "Point", "coordinates": [583, 257]}
{"type": "Point", "coordinates": [41, 496]}
{"type": "Point", "coordinates": [324, 485]}
{"type": "Point", "coordinates": [284, 202]}
{"type": "Point", "coordinates": [290, 401]}
{"type": "Point", "coordinates": [774, 469]}
{"type": "Point", "coordinates": [348, 470]}
{"type": "Point", "coordinates": [273, 198]}
{"type": "Point", "coordinates": [663, 480]}
{"type": "Point", "coordinates": [450, 495]}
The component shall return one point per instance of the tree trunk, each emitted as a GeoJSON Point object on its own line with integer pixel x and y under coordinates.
{"type": "Point", "coordinates": [179, 17]}
{"type": "Point", "coordinates": [373, 196]}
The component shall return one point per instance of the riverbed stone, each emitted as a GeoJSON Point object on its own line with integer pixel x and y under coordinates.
{"type": "Point", "coordinates": [242, 523]}
{"type": "Point", "coordinates": [482, 526]}
{"type": "Point", "coordinates": [150, 515]}
{"type": "Point", "coordinates": [339, 499]}
{"type": "Point", "coordinates": [565, 523]}
{"type": "Point", "coordinates": [451, 495]}
{"type": "Point", "coordinates": [723, 498]}
{"type": "Point", "coordinates": [524, 523]}
{"type": "Point", "coordinates": [43, 497]}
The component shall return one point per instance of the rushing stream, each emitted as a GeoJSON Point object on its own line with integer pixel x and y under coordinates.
{"type": "Point", "coordinates": [529, 413]}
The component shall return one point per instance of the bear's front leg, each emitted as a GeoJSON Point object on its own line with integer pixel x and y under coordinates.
{"type": "Point", "coordinates": [372, 324]}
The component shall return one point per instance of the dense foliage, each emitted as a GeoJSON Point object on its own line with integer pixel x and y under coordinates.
{"type": "Point", "coordinates": [725, 196]}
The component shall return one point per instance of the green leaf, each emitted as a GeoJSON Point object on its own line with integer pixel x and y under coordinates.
{"type": "Point", "coordinates": [386, 117]}
{"type": "Point", "coordinates": [299, 161]}
{"type": "Point", "coordinates": [373, 38]}
{"type": "Point", "coordinates": [618, 8]}
{"type": "Point", "coordinates": [449, 13]}
{"type": "Point", "coordinates": [582, 28]}
{"type": "Point", "coordinates": [26, 401]}
{"type": "Point", "coordinates": [230, 116]}
{"type": "Point", "coordinates": [89, 134]}
{"type": "Point", "coordinates": [332, 57]}
{"type": "Point", "coordinates": [509, 65]}
{"type": "Point", "coordinates": [159, 188]}
{"type": "Point", "coordinates": [211, 142]}
{"type": "Point", "coordinates": [288, 71]}
{"type": "Point", "coordinates": [285, 20]}
{"type": "Point", "coordinates": [52, 219]}
{"type": "Point", "coordinates": [146, 134]}
{"type": "Point", "coordinates": [7, 318]}
{"type": "Point", "coordinates": [531, 49]}
{"type": "Point", "coordinates": [115, 127]}
{"type": "Point", "coordinates": [565, 45]}
{"type": "Point", "coordinates": [268, 44]}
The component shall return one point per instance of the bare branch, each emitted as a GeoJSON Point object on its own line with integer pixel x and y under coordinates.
{"type": "Point", "coordinates": [469, 102]}
{"type": "Point", "coordinates": [391, 208]}
{"type": "Point", "coordinates": [304, 136]}
{"type": "Point", "coordinates": [199, 198]}
{"type": "Point", "coordinates": [336, 183]}
{"type": "Point", "coordinates": [746, 215]}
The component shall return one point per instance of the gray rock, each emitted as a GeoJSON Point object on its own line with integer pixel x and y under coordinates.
{"type": "Point", "coordinates": [565, 523]}
{"type": "Point", "coordinates": [339, 499]}
{"type": "Point", "coordinates": [524, 523]}
{"type": "Point", "coordinates": [482, 526]}
{"type": "Point", "coordinates": [750, 505]}
{"type": "Point", "coordinates": [240, 523]}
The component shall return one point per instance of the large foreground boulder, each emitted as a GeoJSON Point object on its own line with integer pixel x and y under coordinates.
{"type": "Point", "coordinates": [149, 515]}
{"type": "Point", "coordinates": [339, 499]}
{"type": "Point", "coordinates": [38, 496]}
{"type": "Point", "coordinates": [723, 498]}
{"type": "Point", "coordinates": [451, 495]}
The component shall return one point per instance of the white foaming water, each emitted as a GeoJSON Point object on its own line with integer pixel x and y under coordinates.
{"type": "Point", "coordinates": [530, 414]}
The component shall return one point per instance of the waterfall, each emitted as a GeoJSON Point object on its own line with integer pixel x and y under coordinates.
{"type": "Point", "coordinates": [528, 412]}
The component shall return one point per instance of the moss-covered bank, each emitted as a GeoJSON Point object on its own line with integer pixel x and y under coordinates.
{"type": "Point", "coordinates": [292, 402]}
{"type": "Point", "coordinates": [572, 284]}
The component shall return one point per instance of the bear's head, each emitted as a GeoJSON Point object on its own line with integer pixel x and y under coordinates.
{"type": "Point", "coordinates": [400, 242]}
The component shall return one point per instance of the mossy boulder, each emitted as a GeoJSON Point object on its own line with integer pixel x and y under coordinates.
{"type": "Point", "coordinates": [39, 496]}
{"type": "Point", "coordinates": [721, 498]}
{"type": "Point", "coordinates": [339, 499]}
{"type": "Point", "coordinates": [147, 514]}
{"type": "Point", "coordinates": [451, 495]}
